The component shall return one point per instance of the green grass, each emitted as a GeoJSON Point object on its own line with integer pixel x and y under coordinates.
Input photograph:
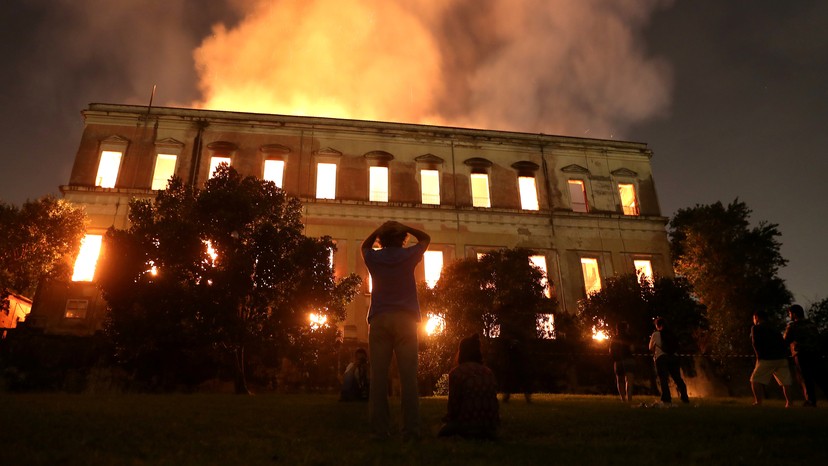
{"type": "Point", "coordinates": [52, 429]}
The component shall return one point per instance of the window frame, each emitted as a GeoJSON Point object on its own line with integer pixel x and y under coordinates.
{"type": "Point", "coordinates": [577, 181]}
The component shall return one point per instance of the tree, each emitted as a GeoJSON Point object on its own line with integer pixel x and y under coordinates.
{"type": "Point", "coordinates": [638, 302]}
{"type": "Point", "coordinates": [501, 293]}
{"type": "Point", "coordinates": [227, 267]}
{"type": "Point", "coordinates": [732, 267]}
{"type": "Point", "coordinates": [36, 243]}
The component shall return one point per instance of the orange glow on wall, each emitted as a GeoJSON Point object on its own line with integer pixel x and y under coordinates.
{"type": "Point", "coordinates": [87, 260]}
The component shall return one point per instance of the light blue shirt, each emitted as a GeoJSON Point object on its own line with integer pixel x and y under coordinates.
{"type": "Point", "coordinates": [392, 276]}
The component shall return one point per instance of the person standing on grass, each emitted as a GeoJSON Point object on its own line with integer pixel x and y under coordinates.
{"type": "Point", "coordinates": [664, 346]}
{"type": "Point", "coordinates": [392, 322]}
{"type": "Point", "coordinates": [472, 401]}
{"type": "Point", "coordinates": [771, 358]}
{"type": "Point", "coordinates": [803, 338]}
{"type": "Point", "coordinates": [621, 353]}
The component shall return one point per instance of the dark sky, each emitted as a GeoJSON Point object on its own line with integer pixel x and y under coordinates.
{"type": "Point", "coordinates": [747, 115]}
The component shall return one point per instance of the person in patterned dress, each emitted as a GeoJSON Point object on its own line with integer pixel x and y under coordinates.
{"type": "Point", "coordinates": [472, 401]}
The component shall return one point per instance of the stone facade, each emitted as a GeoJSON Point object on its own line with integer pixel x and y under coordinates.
{"type": "Point", "coordinates": [564, 228]}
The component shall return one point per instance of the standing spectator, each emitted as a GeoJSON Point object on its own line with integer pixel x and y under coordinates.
{"type": "Point", "coordinates": [803, 338]}
{"type": "Point", "coordinates": [771, 358]}
{"type": "Point", "coordinates": [664, 345]}
{"type": "Point", "coordinates": [392, 319]}
{"type": "Point", "coordinates": [472, 401]}
{"type": "Point", "coordinates": [621, 353]}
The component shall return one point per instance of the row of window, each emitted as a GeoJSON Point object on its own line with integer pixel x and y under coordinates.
{"type": "Point", "coordinates": [273, 170]}
{"type": "Point", "coordinates": [86, 263]}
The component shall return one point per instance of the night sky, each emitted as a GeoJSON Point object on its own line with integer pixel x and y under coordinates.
{"type": "Point", "coordinates": [732, 96]}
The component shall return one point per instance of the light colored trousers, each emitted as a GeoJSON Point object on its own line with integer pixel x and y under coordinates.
{"type": "Point", "coordinates": [393, 333]}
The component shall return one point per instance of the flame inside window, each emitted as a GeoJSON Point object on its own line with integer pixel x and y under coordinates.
{"type": "Point", "coordinates": [430, 185]}
{"type": "Point", "coordinates": [274, 171]}
{"type": "Point", "coordinates": [528, 193]}
{"type": "Point", "coordinates": [480, 190]}
{"type": "Point", "coordinates": [326, 181]}
{"type": "Point", "coordinates": [644, 270]}
{"type": "Point", "coordinates": [317, 321]}
{"type": "Point", "coordinates": [599, 334]}
{"type": "Point", "coordinates": [87, 260]}
{"type": "Point", "coordinates": [108, 169]}
{"type": "Point", "coordinates": [164, 170]}
{"type": "Point", "coordinates": [215, 162]}
{"type": "Point", "coordinates": [577, 196]}
{"type": "Point", "coordinates": [540, 262]}
{"type": "Point", "coordinates": [545, 326]}
{"type": "Point", "coordinates": [378, 190]}
{"type": "Point", "coordinates": [435, 325]}
{"type": "Point", "coordinates": [592, 277]}
{"type": "Point", "coordinates": [629, 202]}
{"type": "Point", "coordinates": [433, 263]}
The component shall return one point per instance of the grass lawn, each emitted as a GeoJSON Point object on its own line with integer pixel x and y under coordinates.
{"type": "Point", "coordinates": [201, 429]}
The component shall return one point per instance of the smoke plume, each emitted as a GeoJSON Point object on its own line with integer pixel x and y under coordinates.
{"type": "Point", "coordinates": [572, 67]}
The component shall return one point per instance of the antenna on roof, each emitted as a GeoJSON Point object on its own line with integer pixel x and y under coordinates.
{"type": "Point", "coordinates": [152, 96]}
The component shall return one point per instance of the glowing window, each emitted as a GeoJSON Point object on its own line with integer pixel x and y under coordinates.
{"type": "Point", "coordinates": [76, 308]}
{"type": "Point", "coordinates": [108, 169]}
{"type": "Point", "coordinates": [433, 263]}
{"type": "Point", "coordinates": [326, 181]}
{"type": "Point", "coordinates": [430, 185]}
{"type": "Point", "coordinates": [215, 162]}
{"type": "Point", "coordinates": [540, 262]}
{"type": "Point", "coordinates": [274, 171]}
{"type": "Point", "coordinates": [164, 170]}
{"type": "Point", "coordinates": [629, 202]}
{"type": "Point", "coordinates": [317, 321]}
{"type": "Point", "coordinates": [87, 260]}
{"type": "Point", "coordinates": [331, 258]}
{"type": "Point", "coordinates": [545, 326]}
{"type": "Point", "coordinates": [577, 196]}
{"type": "Point", "coordinates": [528, 193]}
{"type": "Point", "coordinates": [592, 277]}
{"type": "Point", "coordinates": [378, 190]}
{"type": "Point", "coordinates": [480, 190]}
{"type": "Point", "coordinates": [644, 270]}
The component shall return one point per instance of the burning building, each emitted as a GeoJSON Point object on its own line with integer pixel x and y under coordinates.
{"type": "Point", "coordinates": [587, 207]}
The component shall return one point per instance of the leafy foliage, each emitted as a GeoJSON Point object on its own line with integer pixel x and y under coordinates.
{"type": "Point", "coordinates": [732, 266]}
{"type": "Point", "coordinates": [638, 302]}
{"type": "Point", "coordinates": [36, 242]}
{"type": "Point", "coordinates": [501, 292]}
{"type": "Point", "coordinates": [257, 290]}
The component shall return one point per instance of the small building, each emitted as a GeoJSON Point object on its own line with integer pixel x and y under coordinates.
{"type": "Point", "coordinates": [587, 207]}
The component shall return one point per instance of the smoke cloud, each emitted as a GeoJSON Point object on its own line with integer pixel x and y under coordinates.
{"type": "Point", "coordinates": [572, 67]}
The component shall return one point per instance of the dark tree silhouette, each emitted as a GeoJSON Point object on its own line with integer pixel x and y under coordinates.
{"type": "Point", "coordinates": [226, 268]}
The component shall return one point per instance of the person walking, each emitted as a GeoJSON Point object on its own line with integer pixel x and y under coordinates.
{"type": "Point", "coordinates": [771, 359]}
{"type": "Point", "coordinates": [803, 337]}
{"type": "Point", "coordinates": [392, 322]}
{"type": "Point", "coordinates": [664, 346]}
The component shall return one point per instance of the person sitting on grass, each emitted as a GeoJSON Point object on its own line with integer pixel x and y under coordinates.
{"type": "Point", "coordinates": [355, 382]}
{"type": "Point", "coordinates": [472, 402]}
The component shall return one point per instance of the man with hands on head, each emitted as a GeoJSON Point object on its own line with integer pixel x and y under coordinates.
{"type": "Point", "coordinates": [392, 322]}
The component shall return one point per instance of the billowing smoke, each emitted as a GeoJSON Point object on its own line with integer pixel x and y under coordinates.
{"type": "Point", "coordinates": [572, 67]}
